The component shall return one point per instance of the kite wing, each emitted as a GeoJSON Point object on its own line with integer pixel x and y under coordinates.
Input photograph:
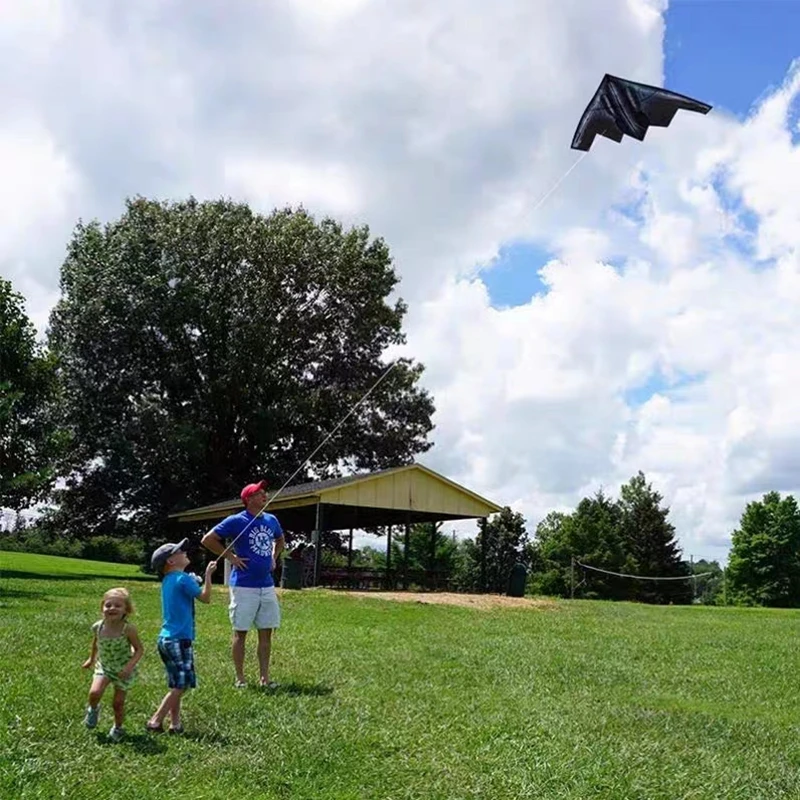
{"type": "Point", "coordinates": [622, 107]}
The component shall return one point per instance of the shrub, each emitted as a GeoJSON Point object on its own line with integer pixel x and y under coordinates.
{"type": "Point", "coordinates": [98, 548]}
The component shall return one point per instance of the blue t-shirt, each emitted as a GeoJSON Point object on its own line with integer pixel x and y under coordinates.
{"type": "Point", "coordinates": [255, 545]}
{"type": "Point", "coordinates": [178, 591]}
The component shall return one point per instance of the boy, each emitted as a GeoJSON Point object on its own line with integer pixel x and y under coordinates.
{"type": "Point", "coordinates": [178, 593]}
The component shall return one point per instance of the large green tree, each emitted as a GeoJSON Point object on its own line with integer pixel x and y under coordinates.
{"type": "Point", "coordinates": [630, 536]}
{"type": "Point", "coordinates": [708, 590]}
{"type": "Point", "coordinates": [764, 562]}
{"type": "Point", "coordinates": [203, 345]}
{"type": "Point", "coordinates": [649, 539]}
{"type": "Point", "coordinates": [590, 535]}
{"type": "Point", "coordinates": [429, 550]}
{"type": "Point", "coordinates": [485, 563]}
{"type": "Point", "coordinates": [28, 390]}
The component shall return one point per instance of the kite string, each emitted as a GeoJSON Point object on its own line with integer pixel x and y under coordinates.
{"type": "Point", "coordinates": [559, 181]}
{"type": "Point", "coordinates": [313, 453]}
{"type": "Point", "coordinates": [566, 174]}
{"type": "Point", "coordinates": [536, 206]}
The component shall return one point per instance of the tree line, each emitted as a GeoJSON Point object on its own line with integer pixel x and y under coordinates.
{"type": "Point", "coordinates": [631, 536]}
{"type": "Point", "coordinates": [197, 344]}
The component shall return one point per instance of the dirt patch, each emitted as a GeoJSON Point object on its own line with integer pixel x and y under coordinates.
{"type": "Point", "coordinates": [482, 602]}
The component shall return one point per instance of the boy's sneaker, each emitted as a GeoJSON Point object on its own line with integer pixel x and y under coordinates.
{"type": "Point", "coordinates": [116, 734]}
{"type": "Point", "coordinates": [92, 715]}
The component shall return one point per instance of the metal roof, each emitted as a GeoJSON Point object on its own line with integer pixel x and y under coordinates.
{"type": "Point", "coordinates": [408, 493]}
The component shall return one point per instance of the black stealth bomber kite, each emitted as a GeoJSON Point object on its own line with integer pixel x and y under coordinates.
{"type": "Point", "coordinates": [622, 107]}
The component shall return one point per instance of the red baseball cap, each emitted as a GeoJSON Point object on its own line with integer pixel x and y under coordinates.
{"type": "Point", "coordinates": [251, 489]}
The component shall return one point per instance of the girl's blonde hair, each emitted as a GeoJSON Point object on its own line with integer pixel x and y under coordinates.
{"type": "Point", "coordinates": [122, 593]}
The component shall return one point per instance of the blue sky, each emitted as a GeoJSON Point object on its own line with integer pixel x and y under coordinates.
{"type": "Point", "coordinates": [423, 148]}
{"type": "Point", "coordinates": [726, 52]}
{"type": "Point", "coordinates": [730, 52]}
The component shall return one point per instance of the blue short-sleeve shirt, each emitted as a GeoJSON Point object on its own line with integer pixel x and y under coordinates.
{"type": "Point", "coordinates": [255, 546]}
{"type": "Point", "coordinates": [178, 593]}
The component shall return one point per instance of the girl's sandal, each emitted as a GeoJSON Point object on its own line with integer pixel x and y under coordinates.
{"type": "Point", "coordinates": [154, 728]}
{"type": "Point", "coordinates": [177, 730]}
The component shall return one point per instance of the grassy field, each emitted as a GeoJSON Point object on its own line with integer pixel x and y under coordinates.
{"type": "Point", "coordinates": [392, 700]}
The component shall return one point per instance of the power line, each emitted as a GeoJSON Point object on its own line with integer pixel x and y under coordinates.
{"type": "Point", "coordinates": [644, 577]}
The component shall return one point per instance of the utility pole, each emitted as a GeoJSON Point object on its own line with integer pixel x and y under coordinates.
{"type": "Point", "coordinates": [572, 578]}
{"type": "Point", "coordinates": [725, 586]}
{"type": "Point", "coordinates": [482, 526]}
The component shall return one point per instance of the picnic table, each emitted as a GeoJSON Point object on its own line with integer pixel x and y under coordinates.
{"type": "Point", "coordinates": [376, 578]}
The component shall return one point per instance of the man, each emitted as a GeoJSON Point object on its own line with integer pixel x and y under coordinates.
{"type": "Point", "coordinates": [252, 588]}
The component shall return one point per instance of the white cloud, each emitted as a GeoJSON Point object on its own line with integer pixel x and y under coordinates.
{"type": "Point", "coordinates": [37, 193]}
{"type": "Point", "coordinates": [443, 126]}
{"type": "Point", "coordinates": [38, 181]}
{"type": "Point", "coordinates": [276, 182]}
{"type": "Point", "coordinates": [689, 303]}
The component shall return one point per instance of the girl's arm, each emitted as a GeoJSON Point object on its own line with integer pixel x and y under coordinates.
{"type": "Point", "coordinates": [138, 652]}
{"type": "Point", "coordinates": [93, 654]}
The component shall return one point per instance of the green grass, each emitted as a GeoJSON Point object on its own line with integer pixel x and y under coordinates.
{"type": "Point", "coordinates": [400, 700]}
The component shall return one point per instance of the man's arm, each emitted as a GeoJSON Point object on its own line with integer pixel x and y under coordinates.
{"type": "Point", "coordinates": [213, 541]}
{"type": "Point", "coordinates": [277, 549]}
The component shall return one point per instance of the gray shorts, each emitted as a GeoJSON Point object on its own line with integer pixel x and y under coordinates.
{"type": "Point", "coordinates": [254, 607]}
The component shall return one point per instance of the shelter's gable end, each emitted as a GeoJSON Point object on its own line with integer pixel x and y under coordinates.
{"type": "Point", "coordinates": [218, 512]}
{"type": "Point", "coordinates": [413, 489]}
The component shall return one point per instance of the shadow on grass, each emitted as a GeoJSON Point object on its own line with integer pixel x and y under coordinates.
{"type": "Point", "coordinates": [163, 737]}
{"type": "Point", "coordinates": [203, 737]}
{"type": "Point", "coordinates": [144, 743]}
{"type": "Point", "coordinates": [295, 689]}
{"type": "Point", "coordinates": [159, 742]}
{"type": "Point", "coordinates": [6, 573]}
{"type": "Point", "coordinates": [20, 594]}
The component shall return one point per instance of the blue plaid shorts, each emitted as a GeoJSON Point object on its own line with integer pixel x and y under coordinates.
{"type": "Point", "coordinates": [178, 658]}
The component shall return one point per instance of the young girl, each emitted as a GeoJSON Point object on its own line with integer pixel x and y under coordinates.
{"type": "Point", "coordinates": [119, 648]}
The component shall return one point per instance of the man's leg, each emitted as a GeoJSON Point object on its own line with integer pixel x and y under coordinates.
{"type": "Point", "coordinates": [237, 649]}
{"type": "Point", "coordinates": [242, 611]}
{"type": "Point", "coordinates": [264, 650]}
{"type": "Point", "coordinates": [267, 619]}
